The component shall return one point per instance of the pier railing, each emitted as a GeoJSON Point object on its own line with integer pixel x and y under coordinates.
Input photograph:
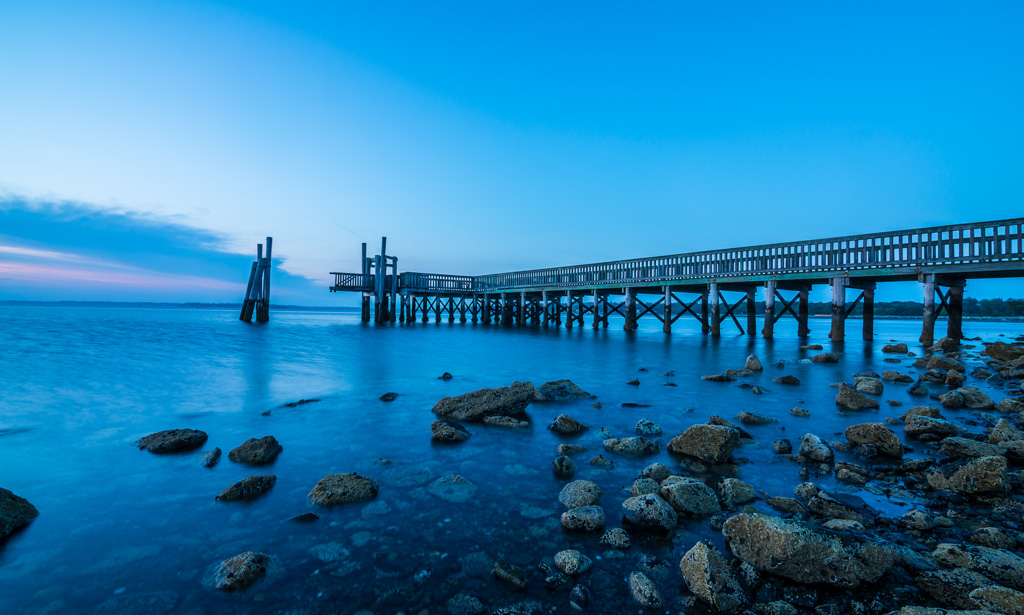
{"type": "Point", "coordinates": [973, 246]}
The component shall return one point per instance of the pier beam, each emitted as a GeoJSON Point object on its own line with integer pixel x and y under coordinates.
{"type": "Point", "coordinates": [802, 329]}
{"type": "Point", "coordinates": [838, 332]}
{"type": "Point", "coordinates": [751, 313]}
{"type": "Point", "coordinates": [713, 304]}
{"type": "Point", "coordinates": [769, 310]}
{"type": "Point", "coordinates": [928, 317]}
{"type": "Point", "coordinates": [667, 326]}
{"type": "Point", "coordinates": [630, 311]}
{"type": "Point", "coordinates": [869, 313]}
{"type": "Point", "coordinates": [955, 312]}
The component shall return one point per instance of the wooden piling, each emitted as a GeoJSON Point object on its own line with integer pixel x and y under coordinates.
{"type": "Point", "coordinates": [802, 329]}
{"type": "Point", "coordinates": [249, 304]}
{"type": "Point", "coordinates": [546, 317]}
{"type": "Point", "coordinates": [838, 332]}
{"type": "Point", "coordinates": [769, 310]}
{"type": "Point", "coordinates": [568, 309]}
{"type": "Point", "coordinates": [521, 321]}
{"type": "Point", "coordinates": [869, 313]}
{"type": "Point", "coordinates": [713, 300]}
{"type": "Point", "coordinates": [506, 310]}
{"type": "Point", "coordinates": [667, 316]}
{"type": "Point", "coordinates": [486, 310]}
{"type": "Point", "coordinates": [365, 313]}
{"type": "Point", "coordinates": [751, 313]}
{"type": "Point", "coordinates": [630, 310]}
{"type": "Point", "coordinates": [705, 325]}
{"type": "Point", "coordinates": [438, 308]}
{"type": "Point", "coordinates": [928, 318]}
{"type": "Point", "coordinates": [597, 310]}
{"type": "Point", "coordinates": [955, 313]}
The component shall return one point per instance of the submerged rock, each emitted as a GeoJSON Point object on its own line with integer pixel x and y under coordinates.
{"type": "Point", "coordinates": [15, 511]}
{"type": "Point", "coordinates": [564, 423]}
{"type": "Point", "coordinates": [335, 489]}
{"type": "Point", "coordinates": [644, 591]}
{"type": "Point", "coordinates": [248, 488]}
{"type": "Point", "coordinates": [389, 396]}
{"type": "Point", "coordinates": [788, 379]}
{"type": "Point", "coordinates": [616, 538]}
{"type": "Point", "coordinates": [689, 495]}
{"type": "Point", "coordinates": [505, 421]}
{"type": "Point", "coordinates": [564, 467]}
{"type": "Point", "coordinates": [572, 562]}
{"type": "Point", "coordinates": [256, 452]}
{"type": "Point", "coordinates": [749, 418]}
{"type": "Point", "coordinates": [453, 488]}
{"type": "Point", "coordinates": [796, 551]}
{"type": "Point", "coordinates": [475, 405]}
{"type": "Point", "coordinates": [708, 575]}
{"type": "Point", "coordinates": [464, 604]}
{"type": "Point", "coordinates": [510, 574]}
{"type": "Point", "coordinates": [210, 458]}
{"type": "Point", "coordinates": [241, 571]}
{"type": "Point", "coordinates": [710, 443]}
{"type": "Point", "coordinates": [825, 357]}
{"type": "Point", "coordinates": [448, 431]}
{"type": "Point", "coordinates": [634, 446]}
{"type": "Point", "coordinates": [561, 390]}
{"type": "Point", "coordinates": [173, 440]}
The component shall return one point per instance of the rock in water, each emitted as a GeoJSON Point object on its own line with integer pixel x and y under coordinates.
{"type": "Point", "coordinates": [464, 604]}
{"type": "Point", "coordinates": [564, 423]}
{"type": "Point", "coordinates": [448, 431]}
{"type": "Point", "coordinates": [869, 385]}
{"type": "Point", "coordinates": [248, 488]}
{"type": "Point", "coordinates": [753, 363]}
{"type": "Point", "coordinates": [453, 488]}
{"type": "Point", "coordinates": [580, 493]}
{"type": "Point", "coordinates": [173, 440]}
{"type": "Point", "coordinates": [916, 425]}
{"type": "Point", "coordinates": [257, 452]}
{"type": "Point", "coordinates": [788, 379]}
{"type": "Point", "coordinates": [475, 405]}
{"type": "Point", "coordinates": [616, 538]}
{"type": "Point", "coordinates": [647, 427]}
{"type": "Point", "coordinates": [572, 562]}
{"type": "Point", "coordinates": [561, 390]}
{"type": "Point", "coordinates": [900, 348]}
{"type": "Point", "coordinates": [564, 467]}
{"type": "Point", "coordinates": [796, 551]}
{"type": "Point", "coordinates": [634, 446]}
{"type": "Point", "coordinates": [650, 512]}
{"type": "Point", "coordinates": [982, 475]}
{"type": "Point", "coordinates": [335, 489]}
{"type": "Point", "coordinates": [210, 458]}
{"type": "Point", "coordinates": [1001, 566]}
{"type": "Point", "coordinates": [816, 449]}
{"type": "Point", "coordinates": [825, 357]}
{"type": "Point", "coordinates": [689, 495]}
{"type": "Point", "coordinates": [644, 591]}
{"type": "Point", "coordinates": [851, 399]}
{"type": "Point", "coordinates": [241, 571]}
{"type": "Point", "coordinates": [583, 519]}
{"type": "Point", "coordinates": [878, 435]}
{"type": "Point", "coordinates": [709, 443]}
{"type": "Point", "coordinates": [1003, 351]}
{"type": "Point", "coordinates": [389, 396]}
{"type": "Point", "coordinates": [510, 574]}
{"type": "Point", "coordinates": [150, 603]}
{"type": "Point", "coordinates": [445, 376]}
{"type": "Point", "coordinates": [15, 512]}
{"type": "Point", "coordinates": [733, 491]}
{"type": "Point", "coordinates": [708, 575]}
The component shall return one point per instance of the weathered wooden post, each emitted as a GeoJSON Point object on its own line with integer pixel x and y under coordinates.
{"type": "Point", "coordinates": [451, 309]}
{"type": "Point", "coordinates": [394, 287]}
{"type": "Point", "coordinates": [804, 310]}
{"type": "Point", "coordinates": [475, 308]}
{"type": "Point", "coordinates": [546, 318]}
{"type": "Point", "coordinates": [257, 291]}
{"type": "Point", "coordinates": [630, 309]}
{"type": "Point", "coordinates": [248, 304]}
{"type": "Point", "coordinates": [838, 332]}
{"type": "Point", "coordinates": [955, 313]}
{"type": "Point", "coordinates": [713, 299]}
{"type": "Point", "coordinates": [486, 310]}
{"type": "Point", "coordinates": [869, 312]}
{"type": "Point", "coordinates": [751, 313]}
{"type": "Point", "coordinates": [568, 309]}
{"type": "Point", "coordinates": [667, 325]}
{"type": "Point", "coordinates": [366, 295]}
{"type": "Point", "coordinates": [705, 326]}
{"type": "Point", "coordinates": [506, 310]}
{"type": "Point", "coordinates": [438, 308]}
{"type": "Point", "coordinates": [425, 303]}
{"type": "Point", "coordinates": [928, 319]}
{"type": "Point", "coordinates": [597, 310]}
{"type": "Point", "coordinates": [521, 321]}
{"type": "Point", "coordinates": [769, 310]}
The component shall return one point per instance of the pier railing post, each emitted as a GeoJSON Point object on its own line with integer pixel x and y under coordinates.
{"type": "Point", "coordinates": [713, 301]}
{"type": "Point", "coordinates": [769, 310]}
{"type": "Point", "coordinates": [928, 317]}
{"type": "Point", "coordinates": [751, 313]}
{"type": "Point", "coordinates": [838, 332]}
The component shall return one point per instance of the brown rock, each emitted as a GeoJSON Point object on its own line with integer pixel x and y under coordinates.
{"type": "Point", "coordinates": [877, 434]}
{"type": "Point", "coordinates": [241, 571]}
{"type": "Point", "coordinates": [475, 405]}
{"type": "Point", "coordinates": [256, 452]}
{"type": "Point", "coordinates": [983, 475]}
{"type": "Point", "coordinates": [710, 443]}
{"type": "Point", "coordinates": [248, 488]}
{"type": "Point", "coordinates": [335, 489]}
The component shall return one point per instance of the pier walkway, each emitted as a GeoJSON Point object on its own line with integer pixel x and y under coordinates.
{"type": "Point", "coordinates": [697, 284]}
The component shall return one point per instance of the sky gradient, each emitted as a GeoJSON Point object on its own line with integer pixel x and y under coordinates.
{"type": "Point", "coordinates": [484, 138]}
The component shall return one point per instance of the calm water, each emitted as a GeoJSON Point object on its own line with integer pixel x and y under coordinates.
{"type": "Point", "coordinates": [79, 386]}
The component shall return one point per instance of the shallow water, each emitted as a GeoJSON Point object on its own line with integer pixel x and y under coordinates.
{"type": "Point", "coordinates": [80, 386]}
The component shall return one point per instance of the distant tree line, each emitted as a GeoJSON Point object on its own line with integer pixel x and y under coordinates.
{"type": "Point", "coordinates": [972, 307]}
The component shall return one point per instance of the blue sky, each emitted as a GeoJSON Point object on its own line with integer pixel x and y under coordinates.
{"type": "Point", "coordinates": [486, 137]}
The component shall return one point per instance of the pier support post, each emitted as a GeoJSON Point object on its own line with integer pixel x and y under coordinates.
{"type": "Point", "coordinates": [838, 332]}
{"type": "Point", "coordinates": [546, 317]}
{"type": "Point", "coordinates": [522, 314]}
{"type": "Point", "coordinates": [869, 313]}
{"type": "Point", "coordinates": [769, 310]}
{"type": "Point", "coordinates": [487, 310]}
{"type": "Point", "coordinates": [425, 304]}
{"type": "Point", "coordinates": [506, 310]}
{"type": "Point", "coordinates": [802, 329]}
{"type": "Point", "coordinates": [716, 321]}
{"type": "Point", "coordinates": [597, 310]}
{"type": "Point", "coordinates": [605, 310]}
{"type": "Point", "coordinates": [928, 318]}
{"type": "Point", "coordinates": [955, 313]}
{"type": "Point", "coordinates": [462, 308]}
{"type": "Point", "coordinates": [475, 309]}
{"type": "Point", "coordinates": [630, 309]}
{"type": "Point", "coordinates": [751, 313]}
{"type": "Point", "coordinates": [405, 307]}
{"type": "Point", "coordinates": [568, 309]}
{"type": "Point", "coordinates": [705, 323]}
{"type": "Point", "coordinates": [451, 309]}
{"type": "Point", "coordinates": [667, 325]}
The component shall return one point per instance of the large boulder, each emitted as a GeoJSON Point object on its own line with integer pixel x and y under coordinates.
{"type": "Point", "coordinates": [564, 423]}
{"type": "Point", "coordinates": [999, 599]}
{"type": "Point", "coordinates": [475, 405]}
{"type": "Point", "coordinates": [733, 491]}
{"type": "Point", "coordinates": [815, 448]}
{"type": "Point", "coordinates": [709, 443]}
{"type": "Point", "coordinates": [256, 452]}
{"type": "Point", "coordinates": [580, 493]}
{"type": "Point", "coordinates": [1000, 565]}
{"type": "Point", "coordinates": [797, 551]}
{"type": "Point", "coordinates": [335, 489]}
{"type": "Point", "coordinates": [241, 571]}
{"type": "Point", "coordinates": [248, 488]}
{"type": "Point", "coordinates": [1004, 431]}
{"type": "Point", "coordinates": [572, 562]}
{"type": "Point", "coordinates": [953, 587]}
{"type": "Point", "coordinates": [172, 440]}
{"type": "Point", "coordinates": [1003, 351]}
{"type": "Point", "coordinates": [849, 398]}
{"type": "Point", "coordinates": [15, 512]}
{"type": "Point", "coordinates": [825, 357]}
{"type": "Point", "coordinates": [878, 435]}
{"type": "Point", "coordinates": [868, 384]}
{"type": "Point", "coordinates": [709, 577]}
{"type": "Point", "coordinates": [842, 506]}
{"type": "Point", "coordinates": [982, 475]}
{"type": "Point", "coordinates": [900, 348]}
{"type": "Point", "coordinates": [448, 431]}
{"type": "Point", "coordinates": [689, 495]}
{"type": "Point", "coordinates": [961, 448]}
{"type": "Point", "coordinates": [917, 425]}
{"type": "Point", "coordinates": [650, 512]}
{"type": "Point", "coordinates": [634, 446]}
{"type": "Point", "coordinates": [560, 390]}
{"type": "Point", "coordinates": [974, 399]}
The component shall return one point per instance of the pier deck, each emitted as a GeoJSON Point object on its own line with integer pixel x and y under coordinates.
{"type": "Point", "coordinates": [938, 257]}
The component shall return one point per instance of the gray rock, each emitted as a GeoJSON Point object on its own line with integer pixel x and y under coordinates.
{"type": "Point", "coordinates": [967, 448]}
{"type": "Point", "coordinates": [1003, 351]}
{"type": "Point", "coordinates": [982, 475]}
{"type": "Point", "coordinates": [1003, 567]}
{"type": "Point", "coordinates": [733, 491]}
{"type": "Point", "coordinates": [475, 405]}
{"type": "Point", "coordinates": [616, 538]}
{"type": "Point", "coordinates": [710, 443]}
{"type": "Point", "coordinates": [564, 423]}
{"type": "Point", "coordinates": [1004, 431]}
{"type": "Point", "coordinates": [583, 519]}
{"type": "Point", "coordinates": [564, 467]}
{"type": "Point", "coordinates": [580, 493]}
{"type": "Point", "coordinates": [816, 449]}
{"type": "Point", "coordinates": [707, 574]}
{"type": "Point", "coordinates": [849, 398]}
{"type": "Point", "coordinates": [643, 486]}
{"type": "Point", "coordinates": [256, 452]}
{"type": "Point", "coordinates": [335, 489]}
{"type": "Point", "coordinates": [916, 425]}
{"type": "Point", "coordinates": [999, 599]}
{"type": "Point", "coordinates": [634, 446]}
{"type": "Point", "coordinates": [644, 591]}
{"type": "Point", "coordinates": [15, 511]}
{"type": "Point", "coordinates": [647, 427]}
{"type": "Point", "coordinates": [210, 458]}
{"type": "Point", "coordinates": [825, 357]}
{"type": "Point", "coordinates": [753, 363]}
{"type": "Point", "coordinates": [892, 376]}
{"type": "Point", "coordinates": [796, 551]}
{"type": "Point", "coordinates": [650, 512]}
{"type": "Point", "coordinates": [878, 435]}
{"type": "Point", "coordinates": [561, 390]}
{"type": "Point", "coordinates": [788, 379]}
{"type": "Point", "coordinates": [689, 495]}
{"type": "Point", "coordinates": [842, 506]}
{"type": "Point", "coordinates": [572, 562]}
{"type": "Point", "coordinates": [510, 574]}
{"type": "Point", "coordinates": [900, 348]}
{"type": "Point", "coordinates": [506, 421]}
{"type": "Point", "coordinates": [782, 447]}
{"type": "Point", "coordinates": [453, 488]}
{"type": "Point", "coordinates": [464, 604]}
{"type": "Point", "coordinates": [974, 399]}
{"type": "Point", "coordinates": [241, 571]}
{"type": "Point", "coordinates": [448, 431]}
{"type": "Point", "coordinates": [952, 400]}
{"type": "Point", "coordinates": [248, 488]}
{"type": "Point", "coordinates": [952, 587]}
{"type": "Point", "coordinates": [749, 418]}
{"type": "Point", "coordinates": [869, 386]}
{"type": "Point", "coordinates": [571, 449]}
{"type": "Point", "coordinates": [657, 471]}
{"type": "Point", "coordinates": [173, 440]}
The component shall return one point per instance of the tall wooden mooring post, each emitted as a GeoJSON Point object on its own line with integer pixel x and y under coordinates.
{"type": "Point", "coordinates": [257, 293]}
{"type": "Point", "coordinates": [379, 285]}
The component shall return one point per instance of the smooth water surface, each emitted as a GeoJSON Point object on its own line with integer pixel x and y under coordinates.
{"type": "Point", "coordinates": [79, 386]}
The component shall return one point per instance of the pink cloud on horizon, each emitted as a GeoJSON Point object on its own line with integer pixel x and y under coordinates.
{"type": "Point", "coordinates": [28, 272]}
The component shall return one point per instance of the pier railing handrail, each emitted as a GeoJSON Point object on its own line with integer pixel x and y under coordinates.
{"type": "Point", "coordinates": [958, 244]}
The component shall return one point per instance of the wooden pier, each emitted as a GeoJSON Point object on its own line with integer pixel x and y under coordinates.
{"type": "Point", "coordinates": [257, 292]}
{"type": "Point", "coordinates": [711, 285]}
